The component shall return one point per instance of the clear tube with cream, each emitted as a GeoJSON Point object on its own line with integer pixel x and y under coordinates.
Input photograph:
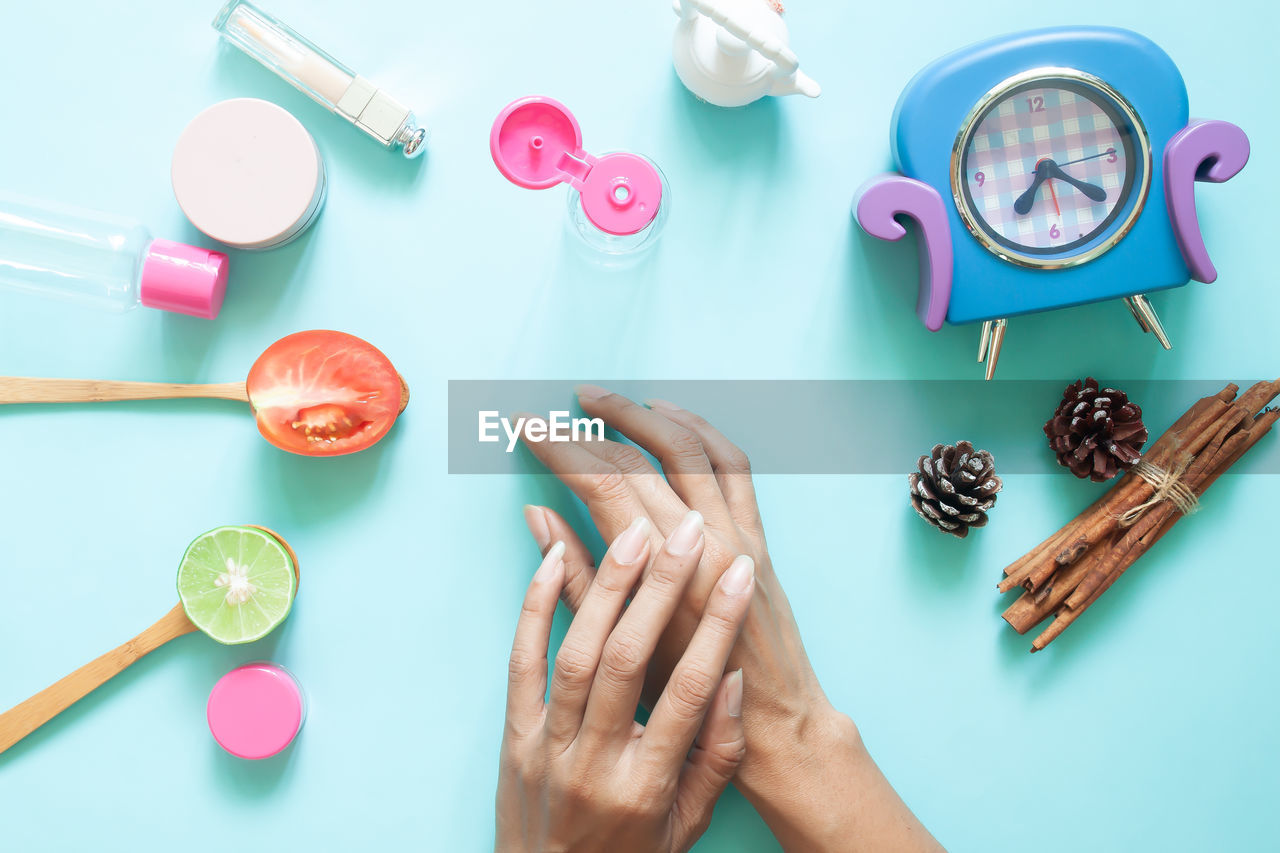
{"type": "Point", "coordinates": [319, 76]}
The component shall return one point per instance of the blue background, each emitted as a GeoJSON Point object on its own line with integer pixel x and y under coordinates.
{"type": "Point", "coordinates": [1149, 725]}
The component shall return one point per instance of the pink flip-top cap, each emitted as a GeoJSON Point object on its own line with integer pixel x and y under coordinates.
{"type": "Point", "coordinates": [536, 143]}
{"type": "Point", "coordinates": [185, 279]}
{"type": "Point", "coordinates": [255, 710]}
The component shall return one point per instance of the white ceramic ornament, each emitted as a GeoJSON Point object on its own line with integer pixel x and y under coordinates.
{"type": "Point", "coordinates": [733, 52]}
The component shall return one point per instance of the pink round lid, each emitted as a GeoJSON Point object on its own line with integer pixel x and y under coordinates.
{"type": "Point", "coordinates": [182, 278]}
{"type": "Point", "coordinates": [247, 173]}
{"type": "Point", "coordinates": [621, 193]}
{"type": "Point", "coordinates": [536, 143]}
{"type": "Point", "coordinates": [529, 140]}
{"type": "Point", "coordinates": [255, 710]}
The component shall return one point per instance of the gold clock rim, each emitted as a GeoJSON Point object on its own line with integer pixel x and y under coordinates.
{"type": "Point", "coordinates": [970, 124]}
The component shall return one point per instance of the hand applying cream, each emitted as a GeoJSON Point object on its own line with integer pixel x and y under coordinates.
{"type": "Point", "coordinates": [319, 76]}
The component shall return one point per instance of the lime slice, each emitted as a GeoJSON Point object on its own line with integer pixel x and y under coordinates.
{"type": "Point", "coordinates": [236, 583]}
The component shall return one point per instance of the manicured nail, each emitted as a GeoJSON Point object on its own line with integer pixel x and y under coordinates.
{"type": "Point", "coordinates": [735, 693]}
{"type": "Point", "coordinates": [551, 564]}
{"type": "Point", "coordinates": [662, 404]}
{"type": "Point", "coordinates": [536, 519]}
{"type": "Point", "coordinates": [628, 547]}
{"type": "Point", "coordinates": [685, 537]}
{"type": "Point", "coordinates": [589, 392]}
{"type": "Point", "coordinates": [738, 578]}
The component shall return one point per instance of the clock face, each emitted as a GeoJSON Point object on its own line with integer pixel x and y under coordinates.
{"type": "Point", "coordinates": [1052, 169]}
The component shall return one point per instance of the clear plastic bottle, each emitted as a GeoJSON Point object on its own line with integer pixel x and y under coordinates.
{"type": "Point", "coordinates": [620, 249]}
{"type": "Point", "coordinates": [618, 202]}
{"type": "Point", "coordinates": [101, 259]}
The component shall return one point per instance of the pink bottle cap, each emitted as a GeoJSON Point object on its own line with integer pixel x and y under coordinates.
{"type": "Point", "coordinates": [536, 143]}
{"type": "Point", "coordinates": [182, 278]}
{"type": "Point", "coordinates": [255, 710]}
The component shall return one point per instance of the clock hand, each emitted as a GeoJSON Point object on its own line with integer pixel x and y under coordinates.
{"type": "Point", "coordinates": [1022, 205]}
{"type": "Point", "coordinates": [1052, 192]}
{"type": "Point", "coordinates": [1106, 153]}
{"type": "Point", "coordinates": [1046, 169]}
{"type": "Point", "coordinates": [1090, 191]}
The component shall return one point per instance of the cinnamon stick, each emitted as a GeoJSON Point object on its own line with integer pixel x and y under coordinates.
{"type": "Point", "coordinates": [1027, 612]}
{"type": "Point", "coordinates": [1018, 570]}
{"type": "Point", "coordinates": [1050, 551]}
{"type": "Point", "coordinates": [1043, 574]}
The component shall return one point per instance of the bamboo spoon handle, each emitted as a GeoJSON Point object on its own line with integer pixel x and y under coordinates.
{"type": "Point", "coordinates": [21, 389]}
{"type": "Point", "coordinates": [21, 720]}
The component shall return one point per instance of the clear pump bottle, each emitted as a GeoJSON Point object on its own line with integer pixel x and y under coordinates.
{"type": "Point", "coordinates": [105, 260]}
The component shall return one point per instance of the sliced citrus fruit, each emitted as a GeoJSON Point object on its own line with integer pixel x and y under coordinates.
{"type": "Point", "coordinates": [237, 583]}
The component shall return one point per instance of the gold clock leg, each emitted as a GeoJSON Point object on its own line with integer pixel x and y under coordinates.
{"type": "Point", "coordinates": [997, 341]}
{"type": "Point", "coordinates": [1148, 315]}
{"type": "Point", "coordinates": [984, 341]}
{"type": "Point", "coordinates": [1137, 315]}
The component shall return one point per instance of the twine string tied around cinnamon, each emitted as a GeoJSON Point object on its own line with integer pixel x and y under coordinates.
{"type": "Point", "coordinates": [1168, 485]}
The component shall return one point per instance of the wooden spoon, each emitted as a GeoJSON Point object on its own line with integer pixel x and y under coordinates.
{"type": "Point", "coordinates": [24, 718]}
{"type": "Point", "coordinates": [23, 389]}
{"type": "Point", "coordinates": [293, 355]}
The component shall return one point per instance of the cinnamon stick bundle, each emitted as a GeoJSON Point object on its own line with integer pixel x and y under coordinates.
{"type": "Point", "coordinates": [1066, 573]}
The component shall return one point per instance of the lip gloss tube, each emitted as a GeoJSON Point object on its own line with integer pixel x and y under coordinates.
{"type": "Point", "coordinates": [319, 76]}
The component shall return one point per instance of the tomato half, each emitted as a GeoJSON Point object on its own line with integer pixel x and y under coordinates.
{"type": "Point", "coordinates": [323, 393]}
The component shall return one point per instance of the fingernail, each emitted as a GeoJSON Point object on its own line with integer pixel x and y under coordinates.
{"type": "Point", "coordinates": [536, 519]}
{"type": "Point", "coordinates": [628, 546]}
{"type": "Point", "coordinates": [738, 578]}
{"type": "Point", "coordinates": [685, 537]}
{"type": "Point", "coordinates": [662, 404]}
{"type": "Point", "coordinates": [735, 693]}
{"type": "Point", "coordinates": [551, 564]}
{"type": "Point", "coordinates": [589, 392]}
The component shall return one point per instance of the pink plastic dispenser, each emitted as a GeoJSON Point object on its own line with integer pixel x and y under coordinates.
{"type": "Point", "coordinates": [256, 710]}
{"type": "Point", "coordinates": [618, 201]}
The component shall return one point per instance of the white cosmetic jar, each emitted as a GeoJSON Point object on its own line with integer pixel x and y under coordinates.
{"type": "Point", "coordinates": [247, 174]}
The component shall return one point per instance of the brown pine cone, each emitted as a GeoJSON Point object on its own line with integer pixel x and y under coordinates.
{"type": "Point", "coordinates": [955, 487]}
{"type": "Point", "coordinates": [1097, 433]}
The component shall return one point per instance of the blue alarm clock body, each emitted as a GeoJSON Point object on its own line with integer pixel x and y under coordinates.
{"type": "Point", "coordinates": [934, 107]}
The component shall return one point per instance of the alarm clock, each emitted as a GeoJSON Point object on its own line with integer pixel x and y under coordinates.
{"type": "Point", "coordinates": [1047, 169]}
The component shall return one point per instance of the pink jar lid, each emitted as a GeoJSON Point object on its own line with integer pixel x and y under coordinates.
{"type": "Point", "coordinates": [536, 143]}
{"type": "Point", "coordinates": [248, 174]}
{"type": "Point", "coordinates": [255, 710]}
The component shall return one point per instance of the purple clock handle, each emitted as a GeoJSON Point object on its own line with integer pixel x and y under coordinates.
{"type": "Point", "coordinates": [876, 206]}
{"type": "Point", "coordinates": [1202, 151]}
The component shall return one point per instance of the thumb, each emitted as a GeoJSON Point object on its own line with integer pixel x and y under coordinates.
{"type": "Point", "coordinates": [712, 763]}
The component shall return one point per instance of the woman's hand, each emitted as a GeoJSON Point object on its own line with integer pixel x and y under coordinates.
{"type": "Point", "coordinates": [704, 472]}
{"type": "Point", "coordinates": [578, 772]}
{"type": "Point", "coordinates": [806, 770]}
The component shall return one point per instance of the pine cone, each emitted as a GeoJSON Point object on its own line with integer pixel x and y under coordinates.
{"type": "Point", "coordinates": [1096, 432]}
{"type": "Point", "coordinates": [955, 487]}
